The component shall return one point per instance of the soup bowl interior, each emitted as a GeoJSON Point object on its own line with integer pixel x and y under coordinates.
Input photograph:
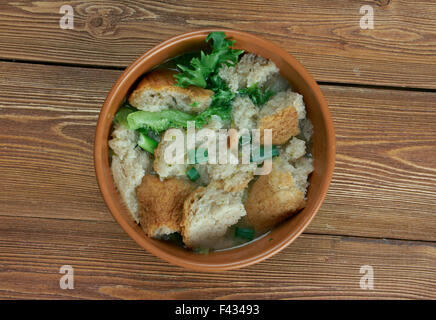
{"type": "Point", "coordinates": [323, 150]}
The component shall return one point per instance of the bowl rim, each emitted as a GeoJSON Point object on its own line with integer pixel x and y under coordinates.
{"type": "Point", "coordinates": [99, 146]}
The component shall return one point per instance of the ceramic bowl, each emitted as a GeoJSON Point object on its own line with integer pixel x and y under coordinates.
{"type": "Point", "coordinates": [323, 151]}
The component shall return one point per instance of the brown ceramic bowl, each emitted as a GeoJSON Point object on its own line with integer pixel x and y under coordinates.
{"type": "Point", "coordinates": [323, 153]}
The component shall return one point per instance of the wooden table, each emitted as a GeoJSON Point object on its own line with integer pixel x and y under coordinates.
{"type": "Point", "coordinates": [381, 207]}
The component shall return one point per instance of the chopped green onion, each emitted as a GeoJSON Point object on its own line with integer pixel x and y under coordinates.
{"type": "Point", "coordinates": [245, 139]}
{"type": "Point", "coordinates": [260, 155]}
{"type": "Point", "coordinates": [196, 156]}
{"type": "Point", "coordinates": [245, 233]}
{"type": "Point", "coordinates": [146, 143]}
{"type": "Point", "coordinates": [193, 174]}
{"type": "Point", "coordinates": [201, 155]}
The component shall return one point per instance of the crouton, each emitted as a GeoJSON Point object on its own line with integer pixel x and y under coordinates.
{"type": "Point", "coordinates": [232, 177]}
{"type": "Point", "coordinates": [129, 165]}
{"type": "Point", "coordinates": [281, 114]}
{"type": "Point", "coordinates": [295, 149]}
{"type": "Point", "coordinates": [288, 98]}
{"type": "Point", "coordinates": [165, 169]}
{"type": "Point", "coordinates": [157, 91]}
{"type": "Point", "coordinates": [283, 123]}
{"type": "Point", "coordinates": [250, 69]}
{"type": "Point", "coordinates": [306, 129]}
{"type": "Point", "coordinates": [300, 171]}
{"type": "Point", "coordinates": [207, 214]}
{"type": "Point", "coordinates": [278, 195]}
{"type": "Point", "coordinates": [244, 113]}
{"type": "Point", "coordinates": [161, 204]}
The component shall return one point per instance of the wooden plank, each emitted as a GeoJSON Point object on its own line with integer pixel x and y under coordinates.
{"type": "Point", "coordinates": [383, 185]}
{"type": "Point", "coordinates": [324, 35]}
{"type": "Point", "coordinates": [107, 264]}
{"type": "Point", "coordinates": [48, 116]}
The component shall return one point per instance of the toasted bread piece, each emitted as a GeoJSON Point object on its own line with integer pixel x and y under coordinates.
{"type": "Point", "coordinates": [161, 204]}
{"type": "Point", "coordinates": [165, 169]}
{"type": "Point", "coordinates": [284, 99]}
{"type": "Point", "coordinates": [207, 214]}
{"type": "Point", "coordinates": [251, 69]}
{"type": "Point", "coordinates": [244, 113]}
{"type": "Point", "coordinates": [157, 91]}
{"type": "Point", "coordinates": [283, 123]}
{"type": "Point", "coordinates": [281, 114]}
{"type": "Point", "coordinates": [232, 177]}
{"type": "Point", "coordinates": [278, 195]}
{"type": "Point", "coordinates": [129, 165]}
{"type": "Point", "coordinates": [294, 149]}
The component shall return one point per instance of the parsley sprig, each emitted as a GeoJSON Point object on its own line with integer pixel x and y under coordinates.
{"type": "Point", "coordinates": [199, 69]}
{"type": "Point", "coordinates": [258, 96]}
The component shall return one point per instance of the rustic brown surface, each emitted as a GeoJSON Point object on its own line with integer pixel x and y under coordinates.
{"type": "Point", "coordinates": [108, 264]}
{"type": "Point", "coordinates": [381, 206]}
{"type": "Point", "coordinates": [324, 35]}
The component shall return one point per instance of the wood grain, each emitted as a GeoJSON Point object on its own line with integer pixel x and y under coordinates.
{"type": "Point", "coordinates": [48, 116]}
{"type": "Point", "coordinates": [383, 185]}
{"type": "Point", "coordinates": [107, 265]}
{"type": "Point", "coordinates": [324, 35]}
{"type": "Point", "coordinates": [381, 206]}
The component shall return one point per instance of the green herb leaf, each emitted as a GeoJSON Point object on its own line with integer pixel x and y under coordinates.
{"type": "Point", "coordinates": [194, 75]}
{"type": "Point", "coordinates": [215, 83]}
{"type": "Point", "coordinates": [221, 101]}
{"type": "Point", "coordinates": [201, 72]}
{"type": "Point", "coordinates": [223, 112]}
{"type": "Point", "coordinates": [256, 95]}
{"type": "Point", "coordinates": [222, 49]}
{"type": "Point", "coordinates": [199, 69]}
{"type": "Point", "coordinates": [222, 98]}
